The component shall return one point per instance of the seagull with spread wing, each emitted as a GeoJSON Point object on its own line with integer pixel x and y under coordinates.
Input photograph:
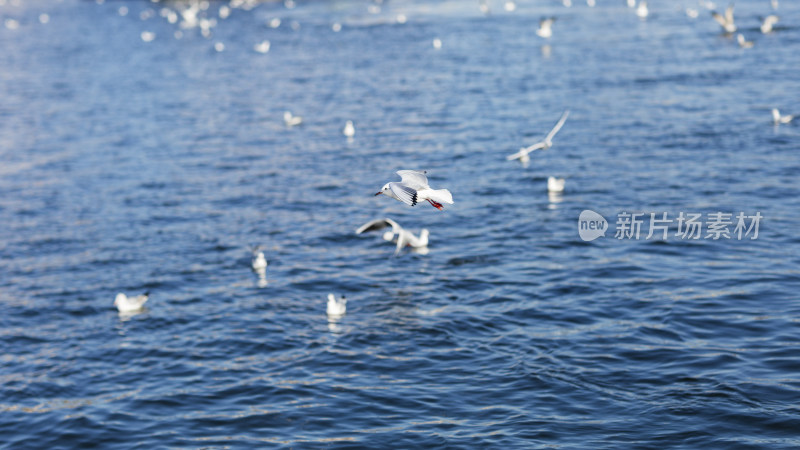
{"type": "Point", "coordinates": [413, 187]}
{"type": "Point", "coordinates": [523, 153]}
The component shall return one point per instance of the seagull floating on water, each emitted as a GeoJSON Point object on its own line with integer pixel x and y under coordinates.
{"type": "Point", "coordinates": [641, 10]}
{"type": "Point", "coordinates": [777, 118]}
{"type": "Point", "coordinates": [291, 120]}
{"type": "Point", "coordinates": [725, 21]}
{"type": "Point", "coordinates": [406, 238]}
{"type": "Point", "coordinates": [413, 187]}
{"type": "Point", "coordinates": [349, 130]}
{"type": "Point", "coordinates": [768, 22]}
{"type": "Point", "coordinates": [522, 154]}
{"type": "Point", "coordinates": [336, 307]}
{"type": "Point", "coordinates": [555, 184]}
{"type": "Point", "coordinates": [545, 29]}
{"type": "Point", "coordinates": [126, 304]}
{"type": "Point", "coordinates": [259, 263]}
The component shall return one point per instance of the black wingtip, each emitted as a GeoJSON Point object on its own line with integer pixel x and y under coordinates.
{"type": "Point", "coordinates": [414, 199]}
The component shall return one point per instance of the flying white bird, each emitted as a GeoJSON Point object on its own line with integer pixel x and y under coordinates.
{"type": "Point", "coordinates": [126, 304]}
{"type": "Point", "coordinates": [413, 187]}
{"type": "Point", "coordinates": [742, 42]}
{"type": "Point", "coordinates": [768, 22]}
{"type": "Point", "coordinates": [336, 307]}
{"type": "Point", "coordinates": [545, 29]}
{"type": "Point", "coordinates": [777, 118]}
{"type": "Point", "coordinates": [379, 224]}
{"type": "Point", "coordinates": [349, 130]}
{"type": "Point", "coordinates": [522, 154]}
{"type": "Point", "coordinates": [725, 21]}
{"type": "Point", "coordinates": [555, 184]}
{"type": "Point", "coordinates": [291, 120]}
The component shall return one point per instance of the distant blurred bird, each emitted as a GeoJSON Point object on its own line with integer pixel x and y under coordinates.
{"type": "Point", "coordinates": [726, 21]}
{"type": "Point", "coordinates": [545, 29]}
{"type": "Point", "coordinates": [259, 262]}
{"type": "Point", "coordinates": [522, 154]}
{"type": "Point", "coordinates": [379, 224]}
{"type": "Point", "coordinates": [555, 184]}
{"type": "Point", "coordinates": [336, 307]}
{"type": "Point", "coordinates": [510, 5]}
{"type": "Point", "coordinates": [130, 304]}
{"type": "Point", "coordinates": [406, 238]}
{"type": "Point", "coordinates": [291, 120]}
{"type": "Point", "coordinates": [262, 47]}
{"type": "Point", "coordinates": [484, 7]}
{"type": "Point", "coordinates": [742, 42]}
{"type": "Point", "coordinates": [641, 10]}
{"type": "Point", "coordinates": [777, 118]}
{"type": "Point", "coordinates": [349, 129]}
{"type": "Point", "coordinates": [768, 22]}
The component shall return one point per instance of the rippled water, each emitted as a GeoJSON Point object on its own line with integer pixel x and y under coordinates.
{"type": "Point", "coordinates": [131, 166]}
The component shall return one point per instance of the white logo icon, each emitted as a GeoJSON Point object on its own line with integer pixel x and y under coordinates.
{"type": "Point", "coordinates": [591, 225]}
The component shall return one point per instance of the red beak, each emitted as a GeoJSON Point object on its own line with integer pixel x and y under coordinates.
{"type": "Point", "coordinates": [379, 193]}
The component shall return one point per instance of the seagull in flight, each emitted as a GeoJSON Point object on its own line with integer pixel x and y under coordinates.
{"type": "Point", "coordinates": [725, 21]}
{"type": "Point", "coordinates": [545, 27]}
{"type": "Point", "coordinates": [404, 238]}
{"type": "Point", "coordinates": [522, 154]}
{"type": "Point", "coordinates": [768, 22]}
{"type": "Point", "coordinates": [413, 187]}
{"type": "Point", "coordinates": [379, 224]}
{"type": "Point", "coordinates": [127, 304]}
{"type": "Point", "coordinates": [778, 119]}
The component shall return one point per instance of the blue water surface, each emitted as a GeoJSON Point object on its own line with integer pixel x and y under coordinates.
{"type": "Point", "coordinates": [133, 165]}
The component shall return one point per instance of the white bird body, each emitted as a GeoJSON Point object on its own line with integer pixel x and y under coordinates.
{"type": "Point", "coordinates": [263, 47]}
{"type": "Point", "coordinates": [777, 118]}
{"type": "Point", "coordinates": [259, 261]}
{"type": "Point", "coordinates": [336, 307]}
{"type": "Point", "coordinates": [641, 10]}
{"type": "Point", "coordinates": [523, 153]}
{"type": "Point", "coordinates": [349, 130]}
{"type": "Point", "coordinates": [726, 21]}
{"type": "Point", "coordinates": [406, 238]}
{"type": "Point", "coordinates": [545, 29]}
{"type": "Point", "coordinates": [291, 120]}
{"type": "Point", "coordinates": [768, 22]}
{"type": "Point", "coordinates": [413, 188]}
{"type": "Point", "coordinates": [126, 304]}
{"type": "Point", "coordinates": [555, 184]}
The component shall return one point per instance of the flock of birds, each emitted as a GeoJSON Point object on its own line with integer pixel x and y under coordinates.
{"type": "Point", "coordinates": [413, 187]}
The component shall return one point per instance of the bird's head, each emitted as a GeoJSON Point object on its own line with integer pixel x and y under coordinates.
{"type": "Point", "coordinates": [384, 190]}
{"type": "Point", "coordinates": [119, 299]}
